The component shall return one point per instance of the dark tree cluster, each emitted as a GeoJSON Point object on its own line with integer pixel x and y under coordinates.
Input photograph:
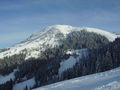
{"type": "Point", "coordinates": [7, 86]}
{"type": "Point", "coordinates": [98, 60]}
{"type": "Point", "coordinates": [83, 39]}
{"type": "Point", "coordinates": [7, 64]}
{"type": "Point", "coordinates": [45, 68]}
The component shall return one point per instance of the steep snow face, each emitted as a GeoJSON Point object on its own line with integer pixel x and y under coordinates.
{"type": "Point", "coordinates": [48, 38]}
{"type": "Point", "coordinates": [109, 80]}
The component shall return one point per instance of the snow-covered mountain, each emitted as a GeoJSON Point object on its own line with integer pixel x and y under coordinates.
{"type": "Point", "coordinates": [48, 38]}
{"type": "Point", "coordinates": [109, 80]}
{"type": "Point", "coordinates": [62, 52]}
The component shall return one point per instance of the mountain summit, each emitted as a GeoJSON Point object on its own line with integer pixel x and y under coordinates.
{"type": "Point", "coordinates": [49, 37]}
{"type": "Point", "coordinates": [57, 53]}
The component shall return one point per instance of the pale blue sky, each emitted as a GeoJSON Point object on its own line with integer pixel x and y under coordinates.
{"type": "Point", "coordinates": [21, 18]}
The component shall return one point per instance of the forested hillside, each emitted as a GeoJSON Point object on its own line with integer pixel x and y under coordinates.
{"type": "Point", "coordinates": [79, 53]}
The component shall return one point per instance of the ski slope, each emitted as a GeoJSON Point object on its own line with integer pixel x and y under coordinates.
{"type": "Point", "coordinates": [109, 80]}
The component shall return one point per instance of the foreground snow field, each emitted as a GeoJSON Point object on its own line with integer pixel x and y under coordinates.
{"type": "Point", "coordinates": [109, 80]}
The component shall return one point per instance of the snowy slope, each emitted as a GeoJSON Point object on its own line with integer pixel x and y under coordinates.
{"type": "Point", "coordinates": [4, 79]}
{"type": "Point", "coordinates": [109, 80]}
{"type": "Point", "coordinates": [21, 86]}
{"type": "Point", "coordinates": [71, 61]}
{"type": "Point", "coordinates": [48, 37]}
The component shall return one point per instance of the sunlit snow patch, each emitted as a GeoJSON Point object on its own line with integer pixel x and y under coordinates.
{"type": "Point", "coordinates": [71, 61]}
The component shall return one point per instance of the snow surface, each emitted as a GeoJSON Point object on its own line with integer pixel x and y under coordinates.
{"type": "Point", "coordinates": [110, 36]}
{"type": "Point", "coordinates": [109, 80]}
{"type": "Point", "coordinates": [4, 79]}
{"type": "Point", "coordinates": [71, 61]}
{"type": "Point", "coordinates": [115, 85]}
{"type": "Point", "coordinates": [48, 37]}
{"type": "Point", "coordinates": [21, 86]}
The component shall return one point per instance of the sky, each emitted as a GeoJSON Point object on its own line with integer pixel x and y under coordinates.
{"type": "Point", "coordinates": [21, 18]}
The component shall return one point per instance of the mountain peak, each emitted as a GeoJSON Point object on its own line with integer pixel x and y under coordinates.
{"type": "Point", "coordinates": [54, 29]}
{"type": "Point", "coordinates": [60, 27]}
{"type": "Point", "coordinates": [49, 37]}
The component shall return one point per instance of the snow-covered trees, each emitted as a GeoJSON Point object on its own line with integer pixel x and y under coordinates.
{"type": "Point", "coordinates": [102, 56]}
{"type": "Point", "coordinates": [98, 60]}
{"type": "Point", "coordinates": [9, 63]}
{"type": "Point", "coordinates": [7, 86]}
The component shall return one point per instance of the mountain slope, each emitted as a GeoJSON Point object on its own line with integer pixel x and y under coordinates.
{"type": "Point", "coordinates": [58, 53]}
{"type": "Point", "coordinates": [47, 38]}
{"type": "Point", "coordinates": [109, 80]}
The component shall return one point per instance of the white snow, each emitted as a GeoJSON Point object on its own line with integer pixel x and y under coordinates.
{"type": "Point", "coordinates": [70, 52]}
{"type": "Point", "coordinates": [4, 79]}
{"type": "Point", "coordinates": [71, 61]}
{"type": "Point", "coordinates": [115, 85]}
{"type": "Point", "coordinates": [47, 37]}
{"type": "Point", "coordinates": [109, 80]}
{"type": "Point", "coordinates": [110, 36]}
{"type": "Point", "coordinates": [21, 86]}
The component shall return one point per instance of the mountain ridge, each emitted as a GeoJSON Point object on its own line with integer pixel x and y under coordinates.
{"type": "Point", "coordinates": [47, 37]}
{"type": "Point", "coordinates": [78, 52]}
